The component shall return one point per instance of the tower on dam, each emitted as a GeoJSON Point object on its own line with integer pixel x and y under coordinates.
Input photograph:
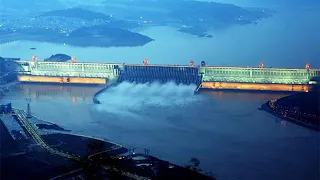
{"type": "Point", "coordinates": [206, 77]}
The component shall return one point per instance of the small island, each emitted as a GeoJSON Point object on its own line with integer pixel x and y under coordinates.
{"type": "Point", "coordinates": [106, 36]}
{"type": "Point", "coordinates": [200, 32]}
{"type": "Point", "coordinates": [58, 58]}
{"type": "Point", "coordinates": [51, 127]}
{"type": "Point", "coordinates": [95, 36]}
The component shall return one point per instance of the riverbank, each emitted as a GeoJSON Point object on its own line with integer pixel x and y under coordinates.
{"type": "Point", "coordinates": [98, 152]}
{"type": "Point", "coordinates": [16, 155]}
{"type": "Point", "coordinates": [300, 108]}
{"type": "Point", "coordinates": [4, 88]}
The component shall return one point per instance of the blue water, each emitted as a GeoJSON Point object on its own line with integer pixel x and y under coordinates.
{"type": "Point", "coordinates": [224, 130]}
{"type": "Point", "coordinates": [232, 139]}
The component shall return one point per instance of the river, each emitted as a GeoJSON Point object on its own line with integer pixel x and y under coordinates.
{"type": "Point", "coordinates": [225, 130]}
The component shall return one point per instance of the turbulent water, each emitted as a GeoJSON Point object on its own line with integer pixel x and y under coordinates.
{"type": "Point", "coordinates": [134, 99]}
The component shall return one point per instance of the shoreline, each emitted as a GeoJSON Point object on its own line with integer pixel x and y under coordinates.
{"type": "Point", "coordinates": [7, 86]}
{"type": "Point", "coordinates": [86, 147]}
{"type": "Point", "coordinates": [265, 107]}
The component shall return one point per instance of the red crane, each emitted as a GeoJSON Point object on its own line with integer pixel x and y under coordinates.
{"type": "Point", "coordinates": [145, 62]}
{"type": "Point", "coordinates": [308, 66]}
{"type": "Point", "coordinates": [34, 58]}
{"type": "Point", "coordinates": [261, 65]}
{"type": "Point", "coordinates": [191, 64]}
{"type": "Point", "coordinates": [73, 59]}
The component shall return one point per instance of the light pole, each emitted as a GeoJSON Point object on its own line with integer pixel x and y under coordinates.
{"type": "Point", "coordinates": [131, 151]}
{"type": "Point", "coordinates": [28, 108]}
{"type": "Point", "coordinates": [146, 152]}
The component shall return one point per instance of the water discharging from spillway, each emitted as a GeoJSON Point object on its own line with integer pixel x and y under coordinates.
{"type": "Point", "coordinates": [137, 99]}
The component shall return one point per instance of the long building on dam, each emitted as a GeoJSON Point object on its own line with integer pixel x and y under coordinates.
{"type": "Point", "coordinates": [205, 77]}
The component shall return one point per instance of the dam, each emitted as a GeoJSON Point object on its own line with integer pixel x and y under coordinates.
{"type": "Point", "coordinates": [205, 77]}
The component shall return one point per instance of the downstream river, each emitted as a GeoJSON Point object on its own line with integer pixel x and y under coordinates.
{"type": "Point", "coordinates": [224, 130]}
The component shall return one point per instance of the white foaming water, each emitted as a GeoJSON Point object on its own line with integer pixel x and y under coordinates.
{"type": "Point", "coordinates": [131, 98]}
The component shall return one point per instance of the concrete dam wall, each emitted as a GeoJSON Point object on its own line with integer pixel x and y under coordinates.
{"type": "Point", "coordinates": [204, 77]}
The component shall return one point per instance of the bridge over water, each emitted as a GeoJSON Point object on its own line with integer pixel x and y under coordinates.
{"type": "Point", "coordinates": [206, 77]}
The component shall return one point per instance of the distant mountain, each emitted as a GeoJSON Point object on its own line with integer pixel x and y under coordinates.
{"type": "Point", "coordinates": [270, 3]}
{"type": "Point", "coordinates": [185, 13]}
{"type": "Point", "coordinates": [295, 2]}
{"type": "Point", "coordinates": [178, 8]}
{"type": "Point", "coordinates": [77, 13]}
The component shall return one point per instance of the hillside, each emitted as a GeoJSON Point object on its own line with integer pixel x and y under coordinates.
{"type": "Point", "coordinates": [95, 36]}
{"type": "Point", "coordinates": [7, 66]}
{"type": "Point", "coordinates": [6, 70]}
{"type": "Point", "coordinates": [307, 102]}
{"type": "Point", "coordinates": [106, 36]}
{"type": "Point", "coordinates": [77, 13]}
{"type": "Point", "coordinates": [196, 14]}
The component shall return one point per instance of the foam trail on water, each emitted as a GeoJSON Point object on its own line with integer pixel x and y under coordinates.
{"type": "Point", "coordinates": [131, 98]}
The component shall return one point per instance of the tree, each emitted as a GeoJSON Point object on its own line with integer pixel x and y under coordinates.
{"type": "Point", "coordinates": [194, 165]}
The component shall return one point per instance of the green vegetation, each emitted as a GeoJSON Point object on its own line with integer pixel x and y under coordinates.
{"type": "Point", "coordinates": [194, 165]}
